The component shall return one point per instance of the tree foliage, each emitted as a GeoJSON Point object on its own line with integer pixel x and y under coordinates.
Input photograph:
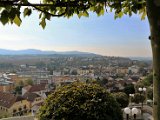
{"type": "Point", "coordinates": [138, 98]}
{"type": "Point", "coordinates": [146, 82]}
{"type": "Point", "coordinates": [122, 99]}
{"type": "Point", "coordinates": [129, 89]}
{"type": "Point", "coordinates": [150, 93]}
{"type": "Point", "coordinates": [29, 82]}
{"type": "Point", "coordinates": [79, 101]}
{"type": "Point", "coordinates": [10, 10]}
{"type": "Point", "coordinates": [102, 81]}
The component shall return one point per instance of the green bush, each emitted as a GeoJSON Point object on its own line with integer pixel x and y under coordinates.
{"type": "Point", "coordinates": [122, 99]}
{"type": "Point", "coordinates": [80, 101]}
{"type": "Point", "coordinates": [129, 89]}
{"type": "Point", "coordinates": [138, 98]}
{"type": "Point", "coordinates": [150, 93]}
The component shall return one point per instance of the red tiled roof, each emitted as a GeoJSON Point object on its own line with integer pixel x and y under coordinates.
{"type": "Point", "coordinates": [30, 96]}
{"type": "Point", "coordinates": [35, 88]}
{"type": "Point", "coordinates": [7, 99]}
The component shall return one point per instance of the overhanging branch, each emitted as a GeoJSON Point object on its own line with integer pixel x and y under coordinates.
{"type": "Point", "coordinates": [53, 15]}
{"type": "Point", "coordinates": [60, 4]}
{"type": "Point", "coordinates": [37, 6]}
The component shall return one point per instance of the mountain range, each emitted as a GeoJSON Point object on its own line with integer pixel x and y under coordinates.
{"type": "Point", "coordinates": [40, 52]}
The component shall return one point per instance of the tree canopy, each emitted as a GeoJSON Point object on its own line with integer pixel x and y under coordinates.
{"type": "Point", "coordinates": [79, 101]}
{"type": "Point", "coordinates": [122, 99]}
{"type": "Point", "coordinates": [129, 89]}
{"type": "Point", "coordinates": [11, 12]}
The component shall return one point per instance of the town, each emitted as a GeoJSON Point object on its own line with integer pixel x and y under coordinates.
{"type": "Point", "coordinates": [26, 84]}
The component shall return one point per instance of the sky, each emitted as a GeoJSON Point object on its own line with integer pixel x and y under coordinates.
{"type": "Point", "coordinates": [103, 35]}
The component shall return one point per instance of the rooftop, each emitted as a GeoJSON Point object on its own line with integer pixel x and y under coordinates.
{"type": "Point", "coordinates": [7, 99]}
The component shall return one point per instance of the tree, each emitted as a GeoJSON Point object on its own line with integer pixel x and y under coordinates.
{"type": "Point", "coordinates": [146, 82]}
{"type": "Point", "coordinates": [79, 101]}
{"type": "Point", "coordinates": [21, 83]}
{"type": "Point", "coordinates": [10, 12]}
{"type": "Point", "coordinates": [18, 90]}
{"type": "Point", "coordinates": [74, 72]}
{"type": "Point", "coordinates": [122, 99]}
{"type": "Point", "coordinates": [40, 65]}
{"type": "Point", "coordinates": [150, 93]}
{"type": "Point", "coordinates": [18, 87]}
{"type": "Point", "coordinates": [129, 89]}
{"type": "Point", "coordinates": [102, 81]}
{"type": "Point", "coordinates": [138, 98]}
{"type": "Point", "coordinates": [29, 82]}
{"type": "Point", "coordinates": [10, 9]}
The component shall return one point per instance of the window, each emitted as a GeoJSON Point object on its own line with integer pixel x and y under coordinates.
{"type": "Point", "coordinates": [14, 110]}
{"type": "Point", "coordinates": [24, 107]}
{"type": "Point", "coordinates": [19, 109]}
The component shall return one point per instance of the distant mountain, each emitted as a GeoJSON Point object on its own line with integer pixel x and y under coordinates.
{"type": "Point", "coordinates": [141, 58]}
{"type": "Point", "coordinates": [40, 52]}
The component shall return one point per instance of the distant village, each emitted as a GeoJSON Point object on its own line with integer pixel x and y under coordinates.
{"type": "Point", "coordinates": [24, 87]}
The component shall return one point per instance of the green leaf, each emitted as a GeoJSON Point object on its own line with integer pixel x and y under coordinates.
{"type": "Point", "coordinates": [17, 20]}
{"type": "Point", "coordinates": [143, 14]}
{"type": "Point", "coordinates": [115, 16]}
{"type": "Point", "coordinates": [4, 20]}
{"type": "Point", "coordinates": [43, 23]}
{"type": "Point", "coordinates": [47, 16]}
{"type": "Point", "coordinates": [101, 12]}
{"type": "Point", "coordinates": [4, 17]}
{"type": "Point", "coordinates": [85, 13]}
{"type": "Point", "coordinates": [8, 8]}
{"type": "Point", "coordinates": [126, 10]}
{"type": "Point", "coordinates": [92, 8]}
{"type": "Point", "coordinates": [40, 15]}
{"type": "Point", "coordinates": [120, 14]}
{"type": "Point", "coordinates": [80, 14]}
{"type": "Point", "coordinates": [27, 12]}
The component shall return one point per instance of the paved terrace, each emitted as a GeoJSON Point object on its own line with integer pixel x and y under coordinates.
{"type": "Point", "coordinates": [20, 118]}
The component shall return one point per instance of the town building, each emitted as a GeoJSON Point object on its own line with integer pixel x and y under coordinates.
{"type": "Point", "coordinates": [12, 105]}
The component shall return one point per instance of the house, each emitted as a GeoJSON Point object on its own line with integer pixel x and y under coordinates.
{"type": "Point", "coordinates": [5, 84]}
{"type": "Point", "coordinates": [35, 108]}
{"type": "Point", "coordinates": [7, 87]}
{"type": "Point", "coordinates": [12, 105]}
{"type": "Point", "coordinates": [133, 69]}
{"type": "Point", "coordinates": [39, 89]}
{"type": "Point", "coordinates": [122, 70]}
{"type": "Point", "coordinates": [35, 101]}
{"type": "Point", "coordinates": [33, 98]}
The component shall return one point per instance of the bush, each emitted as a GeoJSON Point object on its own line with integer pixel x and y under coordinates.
{"type": "Point", "coordinates": [138, 98]}
{"type": "Point", "coordinates": [129, 89]}
{"type": "Point", "coordinates": [122, 99]}
{"type": "Point", "coordinates": [146, 82]}
{"type": "Point", "coordinates": [150, 93]}
{"type": "Point", "coordinates": [80, 101]}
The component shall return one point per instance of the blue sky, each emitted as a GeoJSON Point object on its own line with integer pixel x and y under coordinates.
{"type": "Point", "coordinates": [102, 35]}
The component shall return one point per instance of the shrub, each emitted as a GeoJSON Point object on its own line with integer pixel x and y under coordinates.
{"type": "Point", "coordinates": [122, 99]}
{"type": "Point", "coordinates": [80, 101]}
{"type": "Point", "coordinates": [138, 98]}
